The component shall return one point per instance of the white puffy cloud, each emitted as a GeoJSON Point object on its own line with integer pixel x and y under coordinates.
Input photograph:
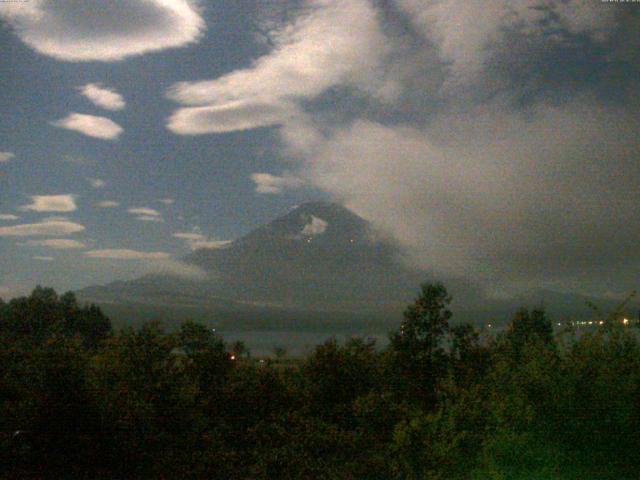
{"type": "Point", "coordinates": [56, 243]}
{"type": "Point", "coordinates": [52, 203]}
{"type": "Point", "coordinates": [267, 183]}
{"type": "Point", "coordinates": [94, 30]}
{"type": "Point", "coordinates": [6, 156]}
{"type": "Point", "coordinates": [196, 240]}
{"type": "Point", "coordinates": [102, 96]}
{"type": "Point", "coordinates": [90, 125]}
{"type": "Point", "coordinates": [96, 182]}
{"type": "Point", "coordinates": [332, 42]}
{"type": "Point", "coordinates": [210, 244]}
{"type": "Point", "coordinates": [8, 216]}
{"type": "Point", "coordinates": [145, 214]}
{"type": "Point", "coordinates": [144, 211]}
{"type": "Point", "coordinates": [189, 236]}
{"type": "Point", "coordinates": [126, 254]}
{"type": "Point", "coordinates": [228, 117]}
{"type": "Point", "coordinates": [47, 227]}
{"type": "Point", "coordinates": [315, 226]}
{"type": "Point", "coordinates": [150, 218]}
{"type": "Point", "coordinates": [107, 204]}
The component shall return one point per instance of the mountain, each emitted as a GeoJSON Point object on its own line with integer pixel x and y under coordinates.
{"type": "Point", "coordinates": [318, 266]}
{"type": "Point", "coordinates": [319, 255]}
{"type": "Point", "coordinates": [318, 258]}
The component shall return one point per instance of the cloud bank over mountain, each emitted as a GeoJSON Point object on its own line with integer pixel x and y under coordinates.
{"type": "Point", "coordinates": [480, 145]}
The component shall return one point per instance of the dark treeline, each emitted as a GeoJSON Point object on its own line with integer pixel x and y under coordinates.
{"type": "Point", "coordinates": [440, 402]}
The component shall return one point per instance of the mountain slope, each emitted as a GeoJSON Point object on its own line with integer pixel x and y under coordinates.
{"type": "Point", "coordinates": [317, 263]}
{"type": "Point", "coordinates": [317, 257]}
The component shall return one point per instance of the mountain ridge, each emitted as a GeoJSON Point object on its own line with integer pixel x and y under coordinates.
{"type": "Point", "coordinates": [319, 258]}
{"type": "Point", "coordinates": [318, 255]}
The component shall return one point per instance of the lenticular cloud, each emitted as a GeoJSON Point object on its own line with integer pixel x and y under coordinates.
{"type": "Point", "coordinates": [94, 30]}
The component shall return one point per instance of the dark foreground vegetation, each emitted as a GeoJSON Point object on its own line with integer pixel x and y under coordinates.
{"type": "Point", "coordinates": [440, 402]}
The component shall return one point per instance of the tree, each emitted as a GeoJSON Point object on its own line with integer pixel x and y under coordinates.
{"type": "Point", "coordinates": [336, 376]}
{"type": "Point", "coordinates": [529, 327]}
{"type": "Point", "coordinates": [469, 358]}
{"type": "Point", "coordinates": [207, 360]}
{"type": "Point", "coordinates": [280, 352]}
{"type": "Point", "coordinates": [239, 350]}
{"type": "Point", "coordinates": [418, 351]}
{"type": "Point", "coordinates": [43, 315]}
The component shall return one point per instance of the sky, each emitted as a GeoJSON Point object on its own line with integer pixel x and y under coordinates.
{"type": "Point", "coordinates": [495, 140]}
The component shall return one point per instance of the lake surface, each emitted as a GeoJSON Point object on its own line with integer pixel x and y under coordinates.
{"type": "Point", "coordinates": [262, 342]}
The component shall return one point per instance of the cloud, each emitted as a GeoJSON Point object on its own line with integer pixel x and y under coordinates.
{"type": "Point", "coordinates": [167, 201]}
{"type": "Point", "coordinates": [176, 268]}
{"type": "Point", "coordinates": [144, 211]}
{"type": "Point", "coordinates": [56, 243]}
{"type": "Point", "coordinates": [155, 263]}
{"type": "Point", "coordinates": [494, 139]}
{"type": "Point", "coordinates": [315, 226]}
{"type": "Point", "coordinates": [197, 240]}
{"type": "Point", "coordinates": [152, 263]}
{"type": "Point", "coordinates": [8, 216]}
{"type": "Point", "coordinates": [107, 204]}
{"type": "Point", "coordinates": [96, 182]}
{"type": "Point", "coordinates": [267, 183]}
{"type": "Point", "coordinates": [6, 156]}
{"type": "Point", "coordinates": [463, 31]}
{"type": "Point", "coordinates": [189, 236]}
{"type": "Point", "coordinates": [43, 259]}
{"type": "Point", "coordinates": [497, 194]}
{"type": "Point", "coordinates": [52, 203]}
{"type": "Point", "coordinates": [103, 97]}
{"type": "Point", "coordinates": [150, 218]}
{"type": "Point", "coordinates": [478, 133]}
{"type": "Point", "coordinates": [47, 227]}
{"type": "Point", "coordinates": [580, 17]}
{"type": "Point", "coordinates": [467, 33]}
{"type": "Point", "coordinates": [232, 116]}
{"type": "Point", "coordinates": [93, 30]}
{"type": "Point", "coordinates": [333, 42]}
{"type": "Point", "coordinates": [90, 125]}
{"type": "Point", "coordinates": [210, 244]}
{"type": "Point", "coordinates": [145, 214]}
{"type": "Point", "coordinates": [125, 254]}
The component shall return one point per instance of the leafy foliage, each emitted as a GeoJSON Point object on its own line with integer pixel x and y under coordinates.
{"type": "Point", "coordinates": [441, 401]}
